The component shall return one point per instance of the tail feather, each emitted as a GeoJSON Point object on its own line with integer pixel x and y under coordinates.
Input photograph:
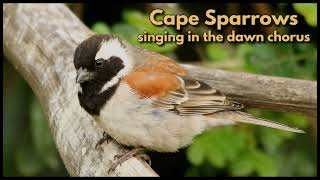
{"type": "Point", "coordinates": [242, 117]}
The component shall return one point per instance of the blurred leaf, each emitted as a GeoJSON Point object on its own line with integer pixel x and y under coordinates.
{"type": "Point", "coordinates": [296, 120]}
{"type": "Point", "coordinates": [243, 49]}
{"type": "Point", "coordinates": [131, 34]}
{"type": "Point", "coordinates": [138, 23]}
{"type": "Point", "coordinates": [141, 21]}
{"type": "Point", "coordinates": [300, 160]}
{"type": "Point", "coordinates": [308, 11]}
{"type": "Point", "coordinates": [137, 19]}
{"type": "Point", "coordinates": [125, 31]}
{"type": "Point", "coordinates": [217, 52]}
{"type": "Point", "coordinates": [27, 161]}
{"type": "Point", "coordinates": [42, 138]}
{"type": "Point", "coordinates": [100, 28]}
{"type": "Point", "coordinates": [168, 47]}
{"type": "Point", "coordinates": [220, 146]}
{"type": "Point", "coordinates": [15, 118]}
{"type": "Point", "coordinates": [264, 164]}
{"type": "Point", "coordinates": [282, 59]}
{"type": "Point", "coordinates": [216, 157]}
{"type": "Point", "coordinates": [272, 138]}
{"type": "Point", "coordinates": [196, 153]}
{"type": "Point", "coordinates": [243, 166]}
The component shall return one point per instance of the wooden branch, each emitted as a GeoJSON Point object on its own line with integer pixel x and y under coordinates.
{"type": "Point", "coordinates": [274, 93]}
{"type": "Point", "coordinates": [40, 39]}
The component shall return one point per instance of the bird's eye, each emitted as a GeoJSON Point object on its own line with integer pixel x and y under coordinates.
{"type": "Point", "coordinates": [98, 62]}
{"type": "Point", "coordinates": [112, 57]}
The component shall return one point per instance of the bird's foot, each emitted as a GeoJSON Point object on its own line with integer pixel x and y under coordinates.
{"type": "Point", "coordinates": [105, 137]}
{"type": "Point", "coordinates": [136, 152]}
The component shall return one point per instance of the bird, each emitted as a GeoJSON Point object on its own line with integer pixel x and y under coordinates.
{"type": "Point", "coordinates": [145, 100]}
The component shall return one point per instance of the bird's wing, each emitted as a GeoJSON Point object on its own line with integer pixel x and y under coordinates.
{"type": "Point", "coordinates": [187, 96]}
{"type": "Point", "coordinates": [195, 97]}
{"type": "Point", "coordinates": [181, 94]}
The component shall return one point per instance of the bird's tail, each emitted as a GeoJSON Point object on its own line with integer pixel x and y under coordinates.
{"type": "Point", "coordinates": [241, 117]}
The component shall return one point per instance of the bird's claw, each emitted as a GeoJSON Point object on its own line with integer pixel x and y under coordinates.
{"type": "Point", "coordinates": [112, 168]}
{"type": "Point", "coordinates": [120, 158]}
{"type": "Point", "coordinates": [105, 137]}
{"type": "Point", "coordinates": [116, 157]}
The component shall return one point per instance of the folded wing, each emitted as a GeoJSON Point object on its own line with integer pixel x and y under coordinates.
{"type": "Point", "coordinates": [195, 97]}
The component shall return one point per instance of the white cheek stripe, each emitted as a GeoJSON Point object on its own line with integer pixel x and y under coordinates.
{"type": "Point", "coordinates": [114, 80]}
{"type": "Point", "coordinates": [79, 87]}
{"type": "Point", "coordinates": [114, 48]}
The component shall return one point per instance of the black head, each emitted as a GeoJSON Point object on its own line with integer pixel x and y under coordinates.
{"type": "Point", "coordinates": [101, 61]}
{"type": "Point", "coordinates": [100, 58]}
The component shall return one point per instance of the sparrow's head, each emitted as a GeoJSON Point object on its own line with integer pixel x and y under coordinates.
{"type": "Point", "coordinates": [102, 59]}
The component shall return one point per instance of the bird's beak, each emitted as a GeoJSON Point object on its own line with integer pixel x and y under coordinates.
{"type": "Point", "coordinates": [83, 75]}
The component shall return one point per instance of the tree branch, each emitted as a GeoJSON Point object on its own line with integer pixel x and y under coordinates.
{"type": "Point", "coordinates": [39, 41]}
{"type": "Point", "coordinates": [267, 92]}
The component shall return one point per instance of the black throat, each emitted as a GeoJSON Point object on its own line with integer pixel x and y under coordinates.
{"type": "Point", "coordinates": [90, 98]}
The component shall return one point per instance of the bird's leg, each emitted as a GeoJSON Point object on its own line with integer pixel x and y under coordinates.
{"type": "Point", "coordinates": [105, 137]}
{"type": "Point", "coordinates": [121, 153]}
{"type": "Point", "coordinates": [138, 152]}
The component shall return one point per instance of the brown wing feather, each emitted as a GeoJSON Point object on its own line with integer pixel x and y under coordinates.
{"type": "Point", "coordinates": [195, 97]}
{"type": "Point", "coordinates": [166, 80]}
{"type": "Point", "coordinates": [149, 84]}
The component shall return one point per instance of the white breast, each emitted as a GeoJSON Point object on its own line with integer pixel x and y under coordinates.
{"type": "Point", "coordinates": [133, 121]}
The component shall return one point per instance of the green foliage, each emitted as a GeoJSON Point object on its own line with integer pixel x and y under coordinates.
{"type": "Point", "coordinates": [236, 150]}
{"type": "Point", "coordinates": [217, 52]}
{"type": "Point", "coordinates": [135, 23]}
{"type": "Point", "coordinates": [29, 149]}
{"type": "Point", "coordinates": [308, 11]}
{"type": "Point", "coordinates": [140, 22]}
{"type": "Point", "coordinates": [294, 60]}
{"type": "Point", "coordinates": [41, 156]}
{"type": "Point", "coordinates": [100, 28]}
{"type": "Point", "coordinates": [271, 139]}
{"type": "Point", "coordinates": [44, 145]}
{"type": "Point", "coordinates": [215, 147]}
{"type": "Point", "coordinates": [125, 31]}
{"type": "Point", "coordinates": [264, 164]}
{"type": "Point", "coordinates": [301, 156]}
{"type": "Point", "coordinates": [242, 166]}
{"type": "Point", "coordinates": [27, 161]}
{"type": "Point", "coordinates": [233, 148]}
{"type": "Point", "coordinates": [253, 150]}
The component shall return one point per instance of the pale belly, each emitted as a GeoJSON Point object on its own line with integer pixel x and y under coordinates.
{"type": "Point", "coordinates": [134, 122]}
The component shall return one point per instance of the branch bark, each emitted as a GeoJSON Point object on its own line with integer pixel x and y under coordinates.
{"type": "Point", "coordinates": [258, 91]}
{"type": "Point", "coordinates": [40, 39]}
